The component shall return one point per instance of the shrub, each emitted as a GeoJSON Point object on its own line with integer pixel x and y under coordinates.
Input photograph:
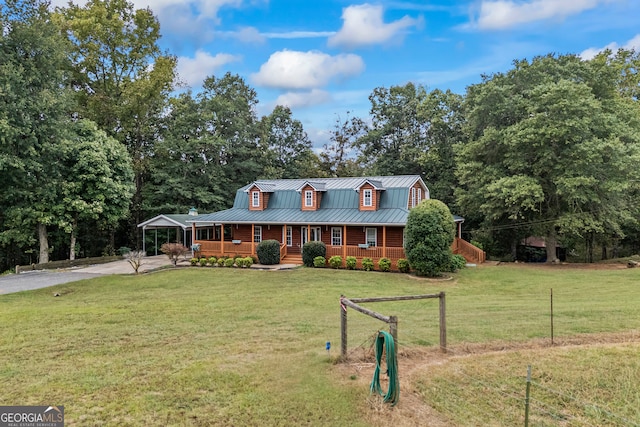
{"type": "Point", "coordinates": [122, 250]}
{"type": "Point", "coordinates": [229, 262]}
{"type": "Point", "coordinates": [367, 264]}
{"type": "Point", "coordinates": [384, 264]}
{"type": "Point", "coordinates": [239, 261]}
{"type": "Point", "coordinates": [268, 252]}
{"type": "Point", "coordinates": [213, 261]}
{"type": "Point", "coordinates": [477, 244]}
{"type": "Point", "coordinates": [203, 262]}
{"type": "Point", "coordinates": [310, 250]}
{"type": "Point", "coordinates": [428, 237]}
{"type": "Point", "coordinates": [247, 262]}
{"type": "Point", "coordinates": [319, 262]}
{"type": "Point", "coordinates": [351, 262]}
{"type": "Point", "coordinates": [403, 265]}
{"type": "Point", "coordinates": [193, 261]}
{"type": "Point", "coordinates": [458, 262]}
{"type": "Point", "coordinates": [254, 259]}
{"type": "Point", "coordinates": [335, 261]}
{"type": "Point", "coordinates": [174, 251]}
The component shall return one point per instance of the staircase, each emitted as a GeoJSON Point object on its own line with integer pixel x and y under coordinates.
{"type": "Point", "coordinates": [292, 259]}
{"type": "Point", "coordinates": [471, 253]}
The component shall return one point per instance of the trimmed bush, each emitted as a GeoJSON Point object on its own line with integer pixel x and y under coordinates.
{"type": "Point", "coordinates": [403, 265]}
{"type": "Point", "coordinates": [213, 261]}
{"type": "Point", "coordinates": [335, 261]}
{"type": "Point", "coordinates": [193, 261]}
{"type": "Point", "coordinates": [203, 262]}
{"type": "Point", "coordinates": [239, 261]}
{"type": "Point", "coordinates": [310, 250]}
{"type": "Point", "coordinates": [247, 262]}
{"type": "Point", "coordinates": [351, 262]}
{"type": "Point", "coordinates": [319, 262]}
{"type": "Point", "coordinates": [268, 252]}
{"type": "Point", "coordinates": [428, 237]}
{"type": "Point", "coordinates": [229, 262]}
{"type": "Point", "coordinates": [458, 262]}
{"type": "Point", "coordinates": [367, 264]}
{"type": "Point", "coordinates": [384, 264]}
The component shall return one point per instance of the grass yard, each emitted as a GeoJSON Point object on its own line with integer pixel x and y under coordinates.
{"type": "Point", "coordinates": [200, 347]}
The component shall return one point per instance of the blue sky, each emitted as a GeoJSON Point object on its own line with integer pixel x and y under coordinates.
{"type": "Point", "coordinates": [323, 58]}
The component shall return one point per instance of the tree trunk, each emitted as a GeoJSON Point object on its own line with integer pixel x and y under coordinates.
{"type": "Point", "coordinates": [604, 251]}
{"type": "Point", "coordinates": [72, 246]}
{"type": "Point", "coordinates": [44, 244]}
{"type": "Point", "coordinates": [551, 242]}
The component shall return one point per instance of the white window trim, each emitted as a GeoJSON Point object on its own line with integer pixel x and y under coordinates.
{"type": "Point", "coordinates": [413, 197]}
{"type": "Point", "coordinates": [257, 233]}
{"type": "Point", "coordinates": [308, 198]}
{"type": "Point", "coordinates": [375, 236]}
{"type": "Point", "coordinates": [289, 235]}
{"type": "Point", "coordinates": [255, 199]}
{"type": "Point", "coordinates": [367, 194]}
{"type": "Point", "coordinates": [339, 230]}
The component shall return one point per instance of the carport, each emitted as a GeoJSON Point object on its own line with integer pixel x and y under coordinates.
{"type": "Point", "coordinates": [169, 222]}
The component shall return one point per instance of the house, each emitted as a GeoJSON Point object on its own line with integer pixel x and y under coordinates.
{"type": "Point", "coordinates": [360, 217]}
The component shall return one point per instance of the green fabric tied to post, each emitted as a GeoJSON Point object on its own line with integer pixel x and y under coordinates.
{"type": "Point", "coordinates": [385, 343]}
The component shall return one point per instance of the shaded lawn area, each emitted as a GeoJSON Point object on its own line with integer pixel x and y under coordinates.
{"type": "Point", "coordinates": [203, 346]}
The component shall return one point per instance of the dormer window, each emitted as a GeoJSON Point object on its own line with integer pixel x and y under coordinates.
{"type": "Point", "coordinates": [255, 199]}
{"type": "Point", "coordinates": [367, 197]}
{"type": "Point", "coordinates": [308, 198]}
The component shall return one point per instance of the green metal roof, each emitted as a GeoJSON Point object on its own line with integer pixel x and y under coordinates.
{"type": "Point", "coordinates": [338, 206]}
{"type": "Point", "coordinates": [168, 220]}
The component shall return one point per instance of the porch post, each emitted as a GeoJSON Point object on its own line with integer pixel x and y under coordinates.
{"type": "Point", "coordinates": [156, 241]}
{"type": "Point", "coordinates": [344, 244]}
{"type": "Point", "coordinates": [384, 241]}
{"type": "Point", "coordinates": [253, 239]}
{"type": "Point", "coordinates": [308, 232]}
{"type": "Point", "coordinates": [221, 238]}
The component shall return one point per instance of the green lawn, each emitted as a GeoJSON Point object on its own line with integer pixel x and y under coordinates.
{"type": "Point", "coordinates": [201, 346]}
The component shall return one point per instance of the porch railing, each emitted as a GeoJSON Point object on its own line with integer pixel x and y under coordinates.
{"type": "Point", "coordinates": [467, 250]}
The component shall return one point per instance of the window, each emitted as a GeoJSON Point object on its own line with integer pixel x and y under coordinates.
{"type": "Point", "coordinates": [336, 236]}
{"type": "Point", "coordinates": [308, 198]}
{"type": "Point", "coordinates": [255, 199]}
{"type": "Point", "coordinates": [367, 198]}
{"type": "Point", "coordinates": [372, 236]}
{"type": "Point", "coordinates": [413, 197]}
{"type": "Point", "coordinates": [289, 236]}
{"type": "Point", "coordinates": [257, 233]}
{"type": "Point", "coordinates": [419, 195]}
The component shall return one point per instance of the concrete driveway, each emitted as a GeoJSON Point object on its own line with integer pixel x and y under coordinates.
{"type": "Point", "coordinates": [45, 278]}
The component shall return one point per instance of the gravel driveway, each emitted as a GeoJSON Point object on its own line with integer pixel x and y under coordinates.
{"type": "Point", "coordinates": [44, 278]}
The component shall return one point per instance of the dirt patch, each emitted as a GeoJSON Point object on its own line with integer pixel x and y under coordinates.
{"type": "Point", "coordinates": [411, 409]}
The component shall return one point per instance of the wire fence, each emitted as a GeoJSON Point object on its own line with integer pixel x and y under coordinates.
{"type": "Point", "coordinates": [501, 393]}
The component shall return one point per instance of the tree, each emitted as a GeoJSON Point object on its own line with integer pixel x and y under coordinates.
{"type": "Point", "coordinates": [186, 168]}
{"type": "Point", "coordinates": [337, 159]}
{"type": "Point", "coordinates": [396, 137]}
{"type": "Point", "coordinates": [228, 105]}
{"type": "Point", "coordinates": [552, 146]}
{"type": "Point", "coordinates": [121, 79]}
{"type": "Point", "coordinates": [441, 113]}
{"type": "Point", "coordinates": [96, 179]}
{"type": "Point", "coordinates": [33, 109]}
{"type": "Point", "coordinates": [429, 234]}
{"type": "Point", "coordinates": [285, 144]}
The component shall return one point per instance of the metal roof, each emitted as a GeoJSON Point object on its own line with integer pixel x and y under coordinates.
{"type": "Point", "coordinates": [401, 181]}
{"type": "Point", "coordinates": [168, 220]}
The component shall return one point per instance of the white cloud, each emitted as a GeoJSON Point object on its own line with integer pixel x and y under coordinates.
{"type": "Point", "coordinates": [634, 44]}
{"type": "Point", "coordinates": [503, 14]}
{"type": "Point", "coordinates": [290, 69]}
{"type": "Point", "coordinates": [193, 71]}
{"type": "Point", "coordinates": [363, 25]}
{"type": "Point", "coordinates": [303, 99]}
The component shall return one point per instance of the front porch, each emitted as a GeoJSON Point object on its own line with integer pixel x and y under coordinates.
{"type": "Point", "coordinates": [344, 241]}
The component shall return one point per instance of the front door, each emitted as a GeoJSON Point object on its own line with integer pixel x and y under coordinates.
{"type": "Point", "coordinates": [313, 231]}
